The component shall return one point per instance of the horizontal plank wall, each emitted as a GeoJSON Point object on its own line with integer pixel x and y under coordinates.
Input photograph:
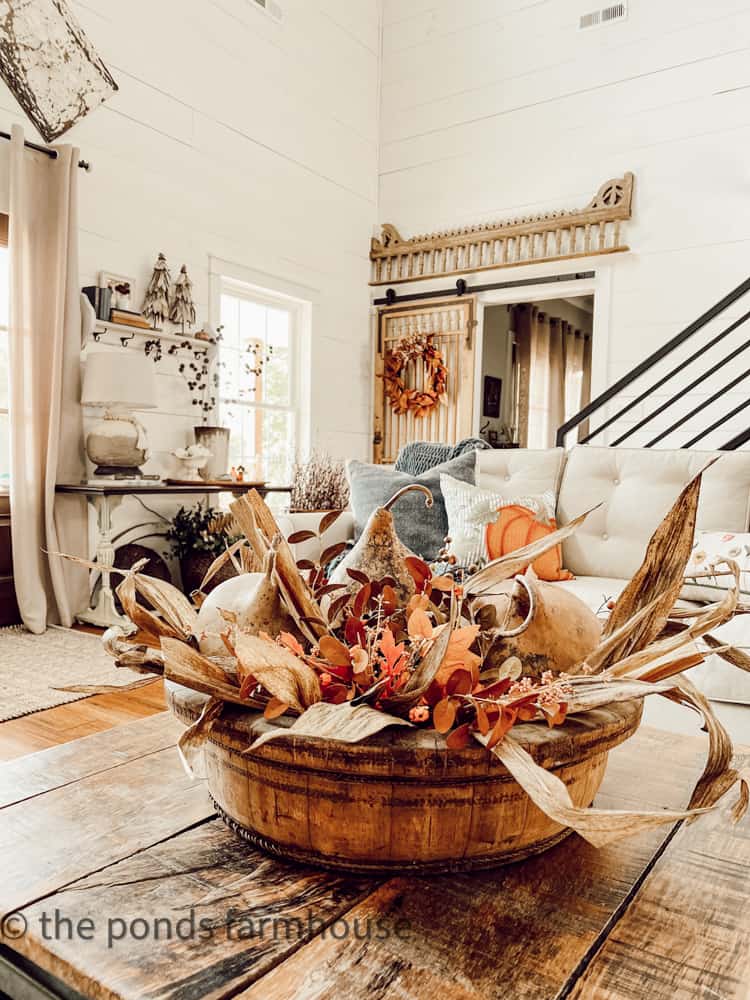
{"type": "Point", "coordinates": [250, 140]}
{"type": "Point", "coordinates": [497, 108]}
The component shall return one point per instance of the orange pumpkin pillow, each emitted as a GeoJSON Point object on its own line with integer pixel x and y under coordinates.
{"type": "Point", "coordinates": [517, 526]}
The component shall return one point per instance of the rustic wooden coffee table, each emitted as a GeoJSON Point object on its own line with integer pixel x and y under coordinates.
{"type": "Point", "coordinates": [117, 880]}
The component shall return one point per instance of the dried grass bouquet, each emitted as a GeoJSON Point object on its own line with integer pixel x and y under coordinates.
{"type": "Point", "coordinates": [319, 483]}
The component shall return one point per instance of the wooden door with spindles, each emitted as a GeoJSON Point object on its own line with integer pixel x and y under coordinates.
{"type": "Point", "coordinates": [449, 326]}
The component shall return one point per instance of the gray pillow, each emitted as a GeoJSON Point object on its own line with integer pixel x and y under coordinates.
{"type": "Point", "coordinates": [420, 528]}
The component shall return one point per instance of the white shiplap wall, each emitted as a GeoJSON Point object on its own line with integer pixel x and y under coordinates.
{"type": "Point", "coordinates": [492, 108]}
{"type": "Point", "coordinates": [249, 140]}
{"type": "Point", "coordinates": [253, 141]}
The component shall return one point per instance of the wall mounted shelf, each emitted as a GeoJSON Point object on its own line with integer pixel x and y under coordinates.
{"type": "Point", "coordinates": [110, 333]}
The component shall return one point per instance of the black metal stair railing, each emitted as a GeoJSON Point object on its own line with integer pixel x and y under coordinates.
{"type": "Point", "coordinates": [652, 361]}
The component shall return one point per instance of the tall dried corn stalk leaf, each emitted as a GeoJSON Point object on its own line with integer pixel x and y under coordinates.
{"type": "Point", "coordinates": [737, 657]}
{"type": "Point", "coordinates": [659, 579]}
{"type": "Point", "coordinates": [242, 511]}
{"type": "Point", "coordinates": [507, 566]}
{"type": "Point", "coordinates": [346, 722]}
{"type": "Point", "coordinates": [711, 616]}
{"type": "Point", "coordinates": [221, 560]}
{"type": "Point", "coordinates": [141, 617]}
{"type": "Point", "coordinates": [191, 741]}
{"type": "Point", "coordinates": [718, 776]}
{"type": "Point", "coordinates": [300, 602]}
{"type": "Point", "coordinates": [135, 656]}
{"type": "Point", "coordinates": [598, 826]}
{"type": "Point", "coordinates": [185, 665]}
{"type": "Point", "coordinates": [170, 602]}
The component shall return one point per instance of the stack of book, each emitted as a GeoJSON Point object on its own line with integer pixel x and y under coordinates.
{"type": "Point", "coordinates": [101, 300]}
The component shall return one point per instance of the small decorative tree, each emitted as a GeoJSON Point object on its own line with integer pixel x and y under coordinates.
{"type": "Point", "coordinates": [156, 303]}
{"type": "Point", "coordinates": [182, 310]}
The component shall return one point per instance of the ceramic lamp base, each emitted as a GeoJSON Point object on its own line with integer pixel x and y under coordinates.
{"type": "Point", "coordinates": [115, 446]}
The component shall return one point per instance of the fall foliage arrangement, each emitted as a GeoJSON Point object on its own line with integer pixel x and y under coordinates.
{"type": "Point", "coordinates": [385, 641]}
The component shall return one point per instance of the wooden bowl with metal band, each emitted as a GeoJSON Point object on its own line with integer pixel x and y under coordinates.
{"type": "Point", "coordinates": [400, 801]}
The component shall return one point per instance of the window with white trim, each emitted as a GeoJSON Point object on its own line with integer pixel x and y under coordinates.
{"type": "Point", "coordinates": [4, 372]}
{"type": "Point", "coordinates": [259, 397]}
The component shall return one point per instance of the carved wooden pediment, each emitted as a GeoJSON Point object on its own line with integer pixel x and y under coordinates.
{"type": "Point", "coordinates": [595, 229]}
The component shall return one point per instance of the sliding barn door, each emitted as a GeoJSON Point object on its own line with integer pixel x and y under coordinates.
{"type": "Point", "coordinates": [451, 326]}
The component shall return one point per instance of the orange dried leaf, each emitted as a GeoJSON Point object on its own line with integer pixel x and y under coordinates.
{"type": "Point", "coordinates": [275, 708]}
{"type": "Point", "coordinates": [503, 725]}
{"type": "Point", "coordinates": [334, 651]}
{"type": "Point", "coordinates": [444, 715]}
{"type": "Point", "coordinates": [419, 625]}
{"type": "Point", "coordinates": [459, 682]}
{"type": "Point", "coordinates": [460, 738]}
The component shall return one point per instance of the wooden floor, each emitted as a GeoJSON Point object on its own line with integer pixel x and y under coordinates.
{"type": "Point", "coordinates": [79, 718]}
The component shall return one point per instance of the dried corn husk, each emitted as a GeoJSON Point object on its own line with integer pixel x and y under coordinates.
{"type": "Point", "coordinates": [185, 665]}
{"type": "Point", "coordinates": [346, 723]}
{"type": "Point", "coordinates": [135, 656]}
{"type": "Point", "coordinates": [737, 657]}
{"type": "Point", "coordinates": [191, 741]}
{"type": "Point", "coordinates": [660, 577]}
{"type": "Point", "coordinates": [221, 560]}
{"type": "Point", "coordinates": [598, 826]}
{"type": "Point", "coordinates": [710, 616]}
{"type": "Point", "coordinates": [278, 670]}
{"type": "Point", "coordinates": [259, 525]}
{"type": "Point", "coordinates": [107, 688]}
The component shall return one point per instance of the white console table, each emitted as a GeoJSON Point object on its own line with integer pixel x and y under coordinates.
{"type": "Point", "coordinates": [105, 498]}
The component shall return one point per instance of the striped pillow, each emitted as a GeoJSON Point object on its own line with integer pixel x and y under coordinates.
{"type": "Point", "coordinates": [471, 508]}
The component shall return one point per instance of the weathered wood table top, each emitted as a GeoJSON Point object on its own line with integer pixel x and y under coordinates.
{"type": "Point", "coordinates": [118, 880]}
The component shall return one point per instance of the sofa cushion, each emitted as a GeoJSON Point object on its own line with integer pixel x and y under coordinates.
{"type": "Point", "coordinates": [421, 529]}
{"type": "Point", "coordinates": [470, 509]}
{"type": "Point", "coordinates": [637, 486]}
{"type": "Point", "coordinates": [514, 472]}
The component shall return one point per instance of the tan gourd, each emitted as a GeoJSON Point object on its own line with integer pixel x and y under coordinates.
{"type": "Point", "coordinates": [253, 599]}
{"type": "Point", "coordinates": [543, 624]}
{"type": "Point", "coordinates": [379, 552]}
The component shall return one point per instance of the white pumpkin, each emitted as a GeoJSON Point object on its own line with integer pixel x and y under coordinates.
{"type": "Point", "coordinates": [235, 595]}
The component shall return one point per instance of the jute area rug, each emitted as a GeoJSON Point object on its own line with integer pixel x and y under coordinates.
{"type": "Point", "coordinates": [33, 666]}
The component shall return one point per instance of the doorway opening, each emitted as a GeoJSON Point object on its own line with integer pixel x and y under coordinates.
{"type": "Point", "coordinates": [535, 369]}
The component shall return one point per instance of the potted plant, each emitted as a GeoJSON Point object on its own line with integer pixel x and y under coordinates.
{"type": "Point", "coordinates": [197, 536]}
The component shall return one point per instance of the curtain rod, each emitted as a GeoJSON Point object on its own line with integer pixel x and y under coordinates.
{"type": "Point", "coordinates": [461, 288]}
{"type": "Point", "coordinates": [52, 153]}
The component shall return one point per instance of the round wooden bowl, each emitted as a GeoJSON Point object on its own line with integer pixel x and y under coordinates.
{"type": "Point", "coordinates": [401, 801]}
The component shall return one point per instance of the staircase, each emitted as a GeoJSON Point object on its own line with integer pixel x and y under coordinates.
{"type": "Point", "coordinates": [697, 368]}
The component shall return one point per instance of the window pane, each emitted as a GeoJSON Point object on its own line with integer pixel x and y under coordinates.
{"type": "Point", "coordinates": [229, 373]}
{"type": "Point", "coordinates": [261, 441]}
{"type": "Point", "coordinates": [276, 377]}
{"type": "Point", "coordinates": [230, 321]}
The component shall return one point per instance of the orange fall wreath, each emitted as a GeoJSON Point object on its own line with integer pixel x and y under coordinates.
{"type": "Point", "coordinates": [417, 401]}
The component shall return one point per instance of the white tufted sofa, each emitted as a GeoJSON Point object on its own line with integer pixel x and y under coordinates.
{"type": "Point", "coordinates": [636, 487]}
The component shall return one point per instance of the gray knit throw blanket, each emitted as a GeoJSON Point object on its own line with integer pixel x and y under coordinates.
{"type": "Point", "coordinates": [419, 456]}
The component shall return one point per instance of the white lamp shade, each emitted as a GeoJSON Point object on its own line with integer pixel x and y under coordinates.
{"type": "Point", "coordinates": [119, 378]}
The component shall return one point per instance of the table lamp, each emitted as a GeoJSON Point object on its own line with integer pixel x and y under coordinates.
{"type": "Point", "coordinates": [120, 381]}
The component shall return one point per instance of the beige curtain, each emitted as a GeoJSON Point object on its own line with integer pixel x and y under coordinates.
{"type": "Point", "coordinates": [554, 374]}
{"type": "Point", "coordinates": [541, 355]}
{"type": "Point", "coordinates": [586, 384]}
{"type": "Point", "coordinates": [45, 414]}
